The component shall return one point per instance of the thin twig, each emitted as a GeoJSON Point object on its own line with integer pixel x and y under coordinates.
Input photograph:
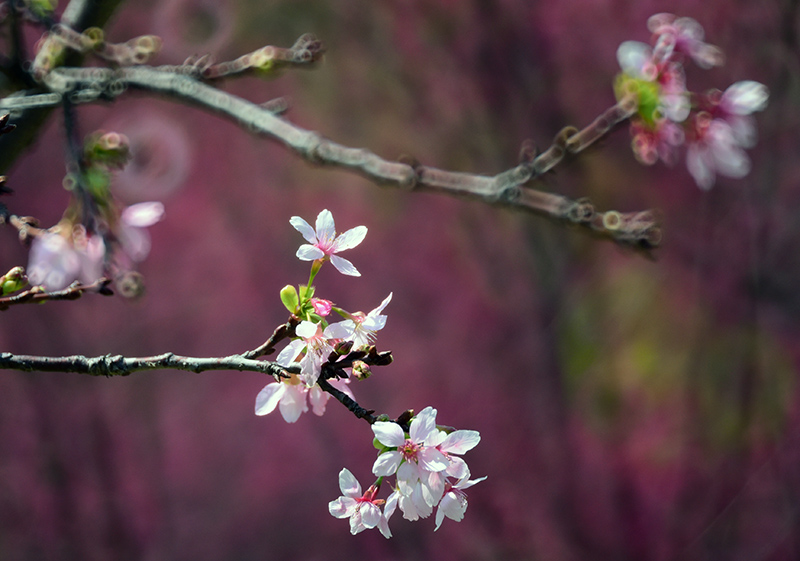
{"type": "Point", "coordinates": [346, 400]}
{"type": "Point", "coordinates": [37, 294]}
{"type": "Point", "coordinates": [268, 347]}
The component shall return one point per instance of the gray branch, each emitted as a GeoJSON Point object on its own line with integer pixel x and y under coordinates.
{"type": "Point", "coordinates": [638, 229]}
{"type": "Point", "coordinates": [117, 365]}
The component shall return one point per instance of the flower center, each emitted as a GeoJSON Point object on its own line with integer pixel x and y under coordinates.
{"type": "Point", "coordinates": [409, 449]}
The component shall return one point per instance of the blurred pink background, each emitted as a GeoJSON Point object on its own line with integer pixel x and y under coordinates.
{"type": "Point", "coordinates": [629, 409]}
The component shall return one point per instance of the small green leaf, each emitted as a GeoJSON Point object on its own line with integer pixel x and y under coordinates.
{"type": "Point", "coordinates": [289, 298]}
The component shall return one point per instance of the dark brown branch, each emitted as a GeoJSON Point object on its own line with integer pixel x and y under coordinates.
{"type": "Point", "coordinates": [268, 347]}
{"type": "Point", "coordinates": [366, 414]}
{"type": "Point", "coordinates": [37, 295]}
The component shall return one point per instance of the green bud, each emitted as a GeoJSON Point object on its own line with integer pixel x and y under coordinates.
{"type": "Point", "coordinates": [361, 370]}
{"type": "Point", "coordinates": [13, 280]}
{"type": "Point", "coordinates": [289, 298]}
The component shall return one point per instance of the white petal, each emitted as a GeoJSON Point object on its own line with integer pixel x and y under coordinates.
{"type": "Point", "coordinates": [465, 484]}
{"type": "Point", "coordinates": [306, 329]}
{"type": "Point", "coordinates": [350, 238]}
{"type": "Point", "coordinates": [340, 329]}
{"type": "Point", "coordinates": [729, 158]}
{"type": "Point", "coordinates": [386, 463]}
{"type": "Point", "coordinates": [268, 398]}
{"type": "Point", "coordinates": [304, 228]}
{"type": "Point", "coordinates": [383, 526]}
{"type": "Point", "coordinates": [142, 215]}
{"type": "Point", "coordinates": [342, 507]}
{"type": "Point", "coordinates": [380, 308]}
{"type": "Point", "coordinates": [745, 97]}
{"type": "Point", "coordinates": [632, 56]}
{"type": "Point", "coordinates": [135, 242]}
{"type": "Point", "coordinates": [453, 506]}
{"type": "Point", "coordinates": [326, 228]}
{"type": "Point", "coordinates": [423, 424]}
{"type": "Point", "coordinates": [460, 441]}
{"type": "Point", "coordinates": [370, 514]}
{"type": "Point", "coordinates": [348, 484]}
{"type": "Point", "coordinates": [391, 505]}
{"type": "Point", "coordinates": [344, 266]}
{"type": "Point", "coordinates": [288, 355]}
{"type": "Point", "coordinates": [293, 403]}
{"type": "Point", "coordinates": [432, 459]}
{"type": "Point", "coordinates": [309, 253]}
{"type": "Point", "coordinates": [699, 164]}
{"type": "Point", "coordinates": [388, 434]}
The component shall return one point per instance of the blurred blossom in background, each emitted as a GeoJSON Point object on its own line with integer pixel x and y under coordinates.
{"type": "Point", "coordinates": [628, 408]}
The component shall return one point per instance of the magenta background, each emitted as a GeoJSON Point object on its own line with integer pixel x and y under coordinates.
{"type": "Point", "coordinates": [629, 409]}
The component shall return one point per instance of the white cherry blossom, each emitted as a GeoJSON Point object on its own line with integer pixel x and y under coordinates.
{"type": "Point", "coordinates": [363, 510]}
{"type": "Point", "coordinates": [324, 243]}
{"type": "Point", "coordinates": [454, 502]}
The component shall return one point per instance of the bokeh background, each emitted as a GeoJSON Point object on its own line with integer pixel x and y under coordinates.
{"type": "Point", "coordinates": [629, 409]}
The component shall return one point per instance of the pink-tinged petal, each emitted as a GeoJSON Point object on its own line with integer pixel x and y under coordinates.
{"type": "Point", "coordinates": [436, 482]}
{"type": "Point", "coordinates": [293, 403]}
{"type": "Point", "coordinates": [350, 238]}
{"type": "Point", "coordinates": [348, 484]}
{"type": "Point", "coordinates": [374, 323]}
{"type": "Point", "coordinates": [306, 329]}
{"type": "Point", "coordinates": [343, 507]}
{"type": "Point", "coordinates": [700, 166]}
{"type": "Point", "coordinates": [288, 355]}
{"type": "Point", "coordinates": [268, 398]}
{"type": "Point", "coordinates": [453, 506]}
{"type": "Point", "coordinates": [339, 330]}
{"type": "Point", "coordinates": [318, 400]}
{"type": "Point", "coordinates": [423, 425]}
{"type": "Point", "coordinates": [134, 241]}
{"type": "Point", "coordinates": [344, 266]}
{"type": "Point", "coordinates": [408, 508]}
{"type": "Point", "coordinates": [729, 159]}
{"type": "Point", "coordinates": [326, 228]}
{"type": "Point", "coordinates": [460, 441]}
{"type": "Point", "coordinates": [458, 468]}
{"type": "Point", "coordinates": [432, 459]}
{"type": "Point", "coordinates": [370, 515]}
{"type": "Point", "coordinates": [420, 503]}
{"type": "Point", "coordinates": [707, 56]}
{"type": "Point", "coordinates": [304, 228]}
{"type": "Point", "coordinates": [407, 475]}
{"type": "Point", "coordinates": [386, 463]}
{"type": "Point", "coordinates": [342, 386]}
{"type": "Point", "coordinates": [388, 434]}
{"type": "Point", "coordinates": [309, 253]}
{"type": "Point", "coordinates": [744, 130]}
{"type": "Point", "coordinates": [745, 97]}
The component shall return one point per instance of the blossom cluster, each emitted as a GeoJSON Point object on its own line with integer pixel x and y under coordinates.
{"type": "Point", "coordinates": [316, 340]}
{"type": "Point", "coordinates": [429, 474]}
{"type": "Point", "coordinates": [96, 236]}
{"type": "Point", "coordinates": [716, 127]}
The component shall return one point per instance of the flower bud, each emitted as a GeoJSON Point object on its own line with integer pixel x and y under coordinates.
{"type": "Point", "coordinates": [361, 370]}
{"type": "Point", "coordinates": [13, 280]}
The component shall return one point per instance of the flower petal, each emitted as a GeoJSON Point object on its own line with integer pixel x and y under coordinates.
{"type": "Point", "coordinates": [326, 228]}
{"type": "Point", "coordinates": [268, 398]}
{"type": "Point", "coordinates": [304, 228]}
{"type": "Point", "coordinates": [142, 215]}
{"type": "Point", "coordinates": [293, 403]}
{"type": "Point", "coordinates": [370, 514]}
{"type": "Point", "coordinates": [460, 441]}
{"type": "Point", "coordinates": [348, 484]}
{"type": "Point", "coordinates": [388, 434]}
{"type": "Point", "coordinates": [318, 400]}
{"type": "Point", "coordinates": [745, 97]}
{"type": "Point", "coordinates": [344, 266]}
{"type": "Point", "coordinates": [288, 355]}
{"type": "Point", "coordinates": [343, 507]}
{"type": "Point", "coordinates": [309, 253]}
{"type": "Point", "coordinates": [350, 239]}
{"type": "Point", "coordinates": [386, 463]}
{"type": "Point", "coordinates": [423, 425]}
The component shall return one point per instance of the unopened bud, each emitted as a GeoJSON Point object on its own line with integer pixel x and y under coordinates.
{"type": "Point", "coordinates": [13, 280]}
{"type": "Point", "coordinates": [361, 370]}
{"type": "Point", "coordinates": [343, 347]}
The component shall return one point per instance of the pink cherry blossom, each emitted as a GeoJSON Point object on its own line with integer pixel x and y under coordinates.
{"type": "Point", "coordinates": [324, 243]}
{"type": "Point", "coordinates": [366, 326]}
{"type": "Point", "coordinates": [685, 36]}
{"type": "Point", "coordinates": [316, 344]}
{"type": "Point", "coordinates": [293, 397]}
{"type": "Point", "coordinates": [363, 510]}
{"type": "Point", "coordinates": [131, 234]}
{"type": "Point", "coordinates": [454, 502]}
{"type": "Point", "coordinates": [56, 261]}
{"type": "Point", "coordinates": [409, 453]}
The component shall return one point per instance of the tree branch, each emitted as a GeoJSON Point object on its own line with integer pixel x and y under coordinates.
{"type": "Point", "coordinates": [636, 229]}
{"type": "Point", "coordinates": [117, 365]}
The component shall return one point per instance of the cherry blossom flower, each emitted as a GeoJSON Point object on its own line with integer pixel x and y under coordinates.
{"type": "Point", "coordinates": [685, 36]}
{"type": "Point", "coordinates": [454, 502]}
{"type": "Point", "coordinates": [321, 307]}
{"type": "Point", "coordinates": [293, 397]}
{"type": "Point", "coordinates": [56, 261]}
{"type": "Point", "coordinates": [317, 346]}
{"type": "Point", "coordinates": [363, 510]}
{"type": "Point", "coordinates": [409, 453]}
{"type": "Point", "coordinates": [366, 326]}
{"type": "Point", "coordinates": [324, 243]}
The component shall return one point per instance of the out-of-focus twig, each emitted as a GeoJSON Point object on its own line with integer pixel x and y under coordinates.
{"type": "Point", "coordinates": [37, 295]}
